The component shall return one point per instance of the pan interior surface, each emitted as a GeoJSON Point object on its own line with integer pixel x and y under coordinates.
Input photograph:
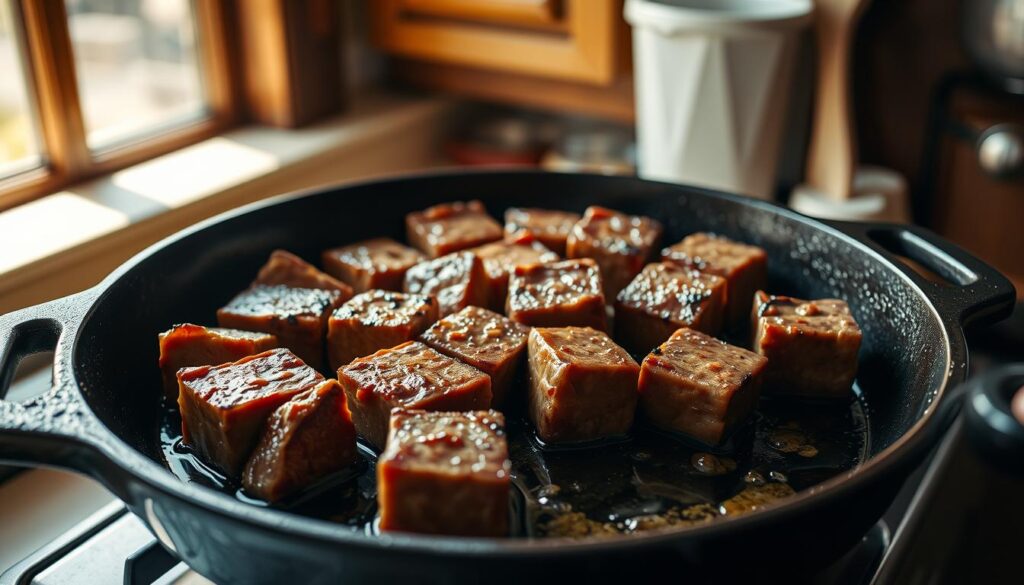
{"type": "Point", "coordinates": [618, 487]}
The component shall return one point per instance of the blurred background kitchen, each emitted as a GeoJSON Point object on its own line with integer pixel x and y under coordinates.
{"type": "Point", "coordinates": [123, 121]}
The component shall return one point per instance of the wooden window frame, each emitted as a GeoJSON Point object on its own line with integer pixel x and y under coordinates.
{"type": "Point", "coordinates": [53, 89]}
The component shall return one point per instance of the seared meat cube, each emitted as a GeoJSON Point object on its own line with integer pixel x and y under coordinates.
{"type": "Point", "coordinates": [485, 340]}
{"type": "Point", "coordinates": [290, 270]}
{"type": "Point", "coordinates": [582, 385]}
{"type": "Point", "coordinates": [297, 316]}
{"type": "Point", "coordinates": [621, 244]}
{"type": "Point", "coordinates": [743, 267]}
{"type": "Point", "coordinates": [223, 407]}
{"type": "Point", "coordinates": [699, 386]}
{"type": "Point", "coordinates": [811, 346]}
{"type": "Point", "coordinates": [663, 298]}
{"type": "Point", "coordinates": [374, 320]}
{"type": "Point", "coordinates": [450, 227]}
{"type": "Point", "coordinates": [550, 227]}
{"type": "Point", "coordinates": [456, 280]}
{"type": "Point", "coordinates": [194, 345]}
{"type": "Point", "coordinates": [445, 473]}
{"type": "Point", "coordinates": [411, 375]}
{"type": "Point", "coordinates": [557, 294]}
{"type": "Point", "coordinates": [500, 258]}
{"type": "Point", "coordinates": [306, 439]}
{"type": "Point", "coordinates": [373, 264]}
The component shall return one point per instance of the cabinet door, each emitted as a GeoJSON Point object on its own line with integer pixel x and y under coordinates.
{"type": "Point", "coordinates": [573, 40]}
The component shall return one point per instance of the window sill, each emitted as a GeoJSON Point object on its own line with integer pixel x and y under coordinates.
{"type": "Point", "coordinates": [68, 241]}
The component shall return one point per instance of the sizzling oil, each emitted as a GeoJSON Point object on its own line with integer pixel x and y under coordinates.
{"type": "Point", "coordinates": [650, 480]}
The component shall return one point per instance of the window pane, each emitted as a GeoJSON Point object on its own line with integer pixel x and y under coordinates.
{"type": "Point", "coordinates": [18, 147]}
{"type": "Point", "coordinates": [137, 66]}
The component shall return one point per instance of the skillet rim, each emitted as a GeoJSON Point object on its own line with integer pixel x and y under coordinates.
{"type": "Point", "coordinates": [143, 469]}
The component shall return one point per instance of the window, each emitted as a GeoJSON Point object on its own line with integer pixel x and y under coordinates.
{"type": "Point", "coordinates": [89, 86]}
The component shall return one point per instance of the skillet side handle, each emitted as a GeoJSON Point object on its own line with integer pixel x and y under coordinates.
{"type": "Point", "coordinates": [56, 428]}
{"type": "Point", "coordinates": [994, 429]}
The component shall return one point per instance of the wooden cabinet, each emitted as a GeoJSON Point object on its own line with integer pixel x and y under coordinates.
{"type": "Point", "coordinates": [559, 54]}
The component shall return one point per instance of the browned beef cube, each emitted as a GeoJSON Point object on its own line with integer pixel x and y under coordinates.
{"type": "Point", "coordinates": [485, 340]}
{"type": "Point", "coordinates": [621, 244]}
{"type": "Point", "coordinates": [194, 345]}
{"type": "Point", "coordinates": [411, 375]}
{"type": "Point", "coordinates": [456, 280]}
{"type": "Point", "coordinates": [550, 227]}
{"type": "Point", "coordinates": [663, 298]}
{"type": "Point", "coordinates": [377, 319]}
{"type": "Point", "coordinates": [445, 473]}
{"type": "Point", "coordinates": [372, 264]}
{"type": "Point", "coordinates": [305, 440]}
{"type": "Point", "coordinates": [582, 385]}
{"type": "Point", "coordinates": [699, 386]}
{"type": "Point", "coordinates": [297, 316]}
{"type": "Point", "coordinates": [223, 407]}
{"type": "Point", "coordinates": [450, 227]}
{"type": "Point", "coordinates": [500, 258]}
{"type": "Point", "coordinates": [743, 267]}
{"type": "Point", "coordinates": [811, 346]}
{"type": "Point", "coordinates": [290, 270]}
{"type": "Point", "coordinates": [557, 294]}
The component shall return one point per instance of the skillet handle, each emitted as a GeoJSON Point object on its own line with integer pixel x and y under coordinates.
{"type": "Point", "coordinates": [965, 289]}
{"type": "Point", "coordinates": [55, 428]}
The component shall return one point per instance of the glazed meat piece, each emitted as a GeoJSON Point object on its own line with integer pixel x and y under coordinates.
{"type": "Point", "coordinates": [372, 264]}
{"type": "Point", "coordinates": [290, 270]}
{"type": "Point", "coordinates": [582, 385]}
{"type": "Point", "coordinates": [743, 267]}
{"type": "Point", "coordinates": [410, 375]}
{"type": "Point", "coordinates": [811, 346]}
{"type": "Point", "coordinates": [699, 386]}
{"type": "Point", "coordinates": [194, 345]}
{"type": "Point", "coordinates": [550, 227]}
{"type": "Point", "coordinates": [456, 280]}
{"type": "Point", "coordinates": [223, 407]}
{"type": "Point", "coordinates": [297, 316]}
{"type": "Point", "coordinates": [305, 440]}
{"type": "Point", "coordinates": [663, 298]}
{"type": "Point", "coordinates": [500, 258]}
{"type": "Point", "coordinates": [450, 227]}
{"type": "Point", "coordinates": [485, 340]}
{"type": "Point", "coordinates": [445, 473]}
{"type": "Point", "coordinates": [377, 319]}
{"type": "Point", "coordinates": [621, 244]}
{"type": "Point", "coordinates": [557, 294]}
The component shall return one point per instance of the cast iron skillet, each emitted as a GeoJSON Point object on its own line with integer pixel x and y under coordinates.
{"type": "Point", "coordinates": [99, 418]}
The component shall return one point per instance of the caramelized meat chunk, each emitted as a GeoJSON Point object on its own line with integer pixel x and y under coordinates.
{"type": "Point", "coordinates": [621, 244]}
{"type": "Point", "coordinates": [194, 345]}
{"type": "Point", "coordinates": [811, 346]}
{"type": "Point", "coordinates": [445, 473]}
{"type": "Point", "coordinates": [663, 298]}
{"type": "Point", "coordinates": [374, 320]}
{"type": "Point", "coordinates": [557, 294]}
{"type": "Point", "coordinates": [550, 227]}
{"type": "Point", "coordinates": [485, 340]}
{"type": "Point", "coordinates": [500, 258]}
{"type": "Point", "coordinates": [411, 375]}
{"type": "Point", "coordinates": [699, 386]}
{"type": "Point", "coordinates": [223, 407]}
{"type": "Point", "coordinates": [582, 385]}
{"type": "Point", "coordinates": [450, 227]}
{"type": "Point", "coordinates": [305, 440]}
{"type": "Point", "coordinates": [297, 316]}
{"type": "Point", "coordinates": [290, 270]}
{"type": "Point", "coordinates": [379, 263]}
{"type": "Point", "coordinates": [744, 268]}
{"type": "Point", "coordinates": [456, 280]}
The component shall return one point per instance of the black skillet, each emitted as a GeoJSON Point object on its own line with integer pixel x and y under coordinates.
{"type": "Point", "coordinates": [103, 413]}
